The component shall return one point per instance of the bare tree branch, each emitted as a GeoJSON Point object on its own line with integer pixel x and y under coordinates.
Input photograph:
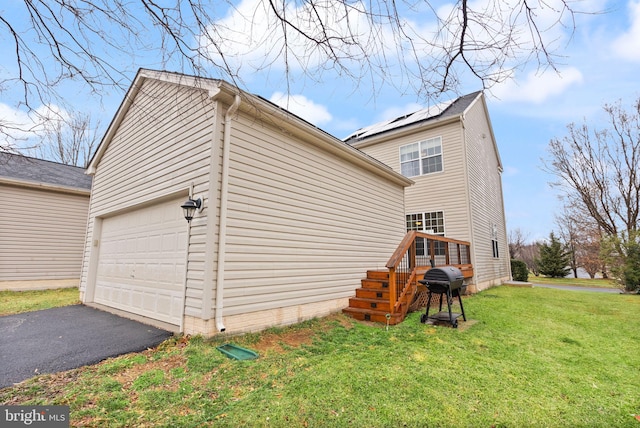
{"type": "Point", "coordinates": [409, 44]}
{"type": "Point", "coordinates": [70, 140]}
{"type": "Point", "coordinates": [598, 171]}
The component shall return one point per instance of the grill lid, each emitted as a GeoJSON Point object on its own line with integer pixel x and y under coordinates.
{"type": "Point", "coordinates": [444, 274]}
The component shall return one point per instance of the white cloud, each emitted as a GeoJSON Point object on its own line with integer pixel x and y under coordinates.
{"type": "Point", "coordinates": [354, 40]}
{"type": "Point", "coordinates": [537, 88]}
{"type": "Point", "coordinates": [398, 111]}
{"type": "Point", "coordinates": [505, 33]}
{"type": "Point", "coordinates": [14, 122]}
{"type": "Point", "coordinates": [302, 106]}
{"type": "Point", "coordinates": [252, 35]}
{"type": "Point", "coordinates": [344, 125]}
{"type": "Point", "coordinates": [627, 46]}
{"type": "Point", "coordinates": [21, 129]}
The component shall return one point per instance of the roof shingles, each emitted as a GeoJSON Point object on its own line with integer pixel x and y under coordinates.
{"type": "Point", "coordinates": [32, 170]}
{"type": "Point", "coordinates": [440, 111]}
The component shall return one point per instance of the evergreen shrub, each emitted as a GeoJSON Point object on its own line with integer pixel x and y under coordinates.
{"type": "Point", "coordinates": [519, 270]}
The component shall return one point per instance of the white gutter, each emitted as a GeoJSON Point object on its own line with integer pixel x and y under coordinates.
{"type": "Point", "coordinates": [224, 196]}
{"type": "Point", "coordinates": [45, 186]}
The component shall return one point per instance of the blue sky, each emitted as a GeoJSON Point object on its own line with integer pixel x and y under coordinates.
{"type": "Point", "coordinates": [597, 64]}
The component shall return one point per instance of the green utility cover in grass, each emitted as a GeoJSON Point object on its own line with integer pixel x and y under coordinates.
{"type": "Point", "coordinates": [236, 352]}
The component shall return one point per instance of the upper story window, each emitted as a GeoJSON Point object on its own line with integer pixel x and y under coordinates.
{"type": "Point", "coordinates": [424, 157]}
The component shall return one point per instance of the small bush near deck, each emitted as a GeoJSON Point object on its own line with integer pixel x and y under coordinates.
{"type": "Point", "coordinates": [519, 270]}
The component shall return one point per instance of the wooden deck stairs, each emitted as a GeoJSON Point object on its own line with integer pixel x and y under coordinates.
{"type": "Point", "coordinates": [386, 296]}
{"type": "Point", "coordinates": [372, 302]}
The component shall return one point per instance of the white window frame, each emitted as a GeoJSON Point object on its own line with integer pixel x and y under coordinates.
{"type": "Point", "coordinates": [417, 222]}
{"type": "Point", "coordinates": [421, 152]}
{"type": "Point", "coordinates": [494, 241]}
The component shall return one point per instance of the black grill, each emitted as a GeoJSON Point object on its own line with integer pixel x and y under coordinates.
{"type": "Point", "coordinates": [444, 280]}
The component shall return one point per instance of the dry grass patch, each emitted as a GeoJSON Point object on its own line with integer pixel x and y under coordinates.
{"type": "Point", "coordinates": [279, 342]}
{"type": "Point", "coordinates": [128, 376]}
{"type": "Point", "coordinates": [283, 340]}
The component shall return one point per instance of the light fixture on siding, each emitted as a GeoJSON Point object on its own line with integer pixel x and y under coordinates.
{"type": "Point", "coordinates": [190, 206]}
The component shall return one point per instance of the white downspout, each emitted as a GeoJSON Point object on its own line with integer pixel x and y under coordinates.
{"type": "Point", "coordinates": [186, 271]}
{"type": "Point", "coordinates": [224, 196]}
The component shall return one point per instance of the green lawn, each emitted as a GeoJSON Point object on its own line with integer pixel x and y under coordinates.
{"type": "Point", "coordinates": [14, 302]}
{"type": "Point", "coordinates": [529, 357]}
{"type": "Point", "coordinates": [580, 282]}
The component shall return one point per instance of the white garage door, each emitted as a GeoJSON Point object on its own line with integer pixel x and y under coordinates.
{"type": "Point", "coordinates": [142, 258]}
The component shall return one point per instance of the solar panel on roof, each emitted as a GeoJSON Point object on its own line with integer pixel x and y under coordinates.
{"type": "Point", "coordinates": [387, 125]}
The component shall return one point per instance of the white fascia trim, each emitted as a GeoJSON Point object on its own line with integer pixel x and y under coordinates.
{"type": "Point", "coordinates": [45, 186]}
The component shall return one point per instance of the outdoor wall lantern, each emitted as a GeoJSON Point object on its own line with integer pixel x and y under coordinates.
{"type": "Point", "coordinates": [190, 206]}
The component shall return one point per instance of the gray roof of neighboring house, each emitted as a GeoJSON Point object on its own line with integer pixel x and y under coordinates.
{"type": "Point", "coordinates": [438, 111]}
{"type": "Point", "coordinates": [32, 170]}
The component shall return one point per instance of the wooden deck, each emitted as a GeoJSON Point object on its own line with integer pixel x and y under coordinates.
{"type": "Point", "coordinates": [386, 296]}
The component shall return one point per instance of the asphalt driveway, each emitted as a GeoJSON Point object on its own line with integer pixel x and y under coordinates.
{"type": "Point", "coordinates": [65, 338]}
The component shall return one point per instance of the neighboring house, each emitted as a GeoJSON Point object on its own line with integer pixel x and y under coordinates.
{"type": "Point", "coordinates": [449, 151]}
{"type": "Point", "coordinates": [291, 216]}
{"type": "Point", "coordinates": [43, 222]}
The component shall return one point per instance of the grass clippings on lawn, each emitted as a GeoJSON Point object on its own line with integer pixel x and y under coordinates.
{"type": "Point", "coordinates": [534, 357]}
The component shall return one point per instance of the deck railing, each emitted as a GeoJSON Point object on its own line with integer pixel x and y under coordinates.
{"type": "Point", "coordinates": [418, 252]}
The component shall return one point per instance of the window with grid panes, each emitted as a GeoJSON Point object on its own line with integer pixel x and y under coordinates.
{"type": "Point", "coordinates": [424, 157]}
{"type": "Point", "coordinates": [429, 222]}
{"type": "Point", "coordinates": [434, 221]}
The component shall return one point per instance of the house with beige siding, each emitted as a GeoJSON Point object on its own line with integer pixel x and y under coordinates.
{"type": "Point", "coordinates": [450, 152]}
{"type": "Point", "coordinates": [289, 217]}
{"type": "Point", "coordinates": [43, 222]}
